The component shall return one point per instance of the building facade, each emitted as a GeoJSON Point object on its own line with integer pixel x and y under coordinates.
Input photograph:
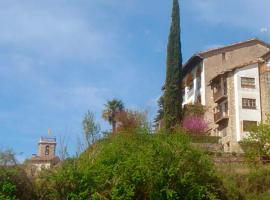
{"type": "Point", "coordinates": [233, 83]}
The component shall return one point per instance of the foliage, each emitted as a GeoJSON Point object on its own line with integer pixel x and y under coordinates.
{"type": "Point", "coordinates": [257, 143]}
{"type": "Point", "coordinates": [194, 110]}
{"type": "Point", "coordinates": [195, 125]}
{"type": "Point", "coordinates": [111, 109]}
{"type": "Point", "coordinates": [160, 113]}
{"type": "Point", "coordinates": [245, 182]}
{"type": "Point", "coordinates": [7, 191]}
{"type": "Point", "coordinates": [128, 120]}
{"type": "Point", "coordinates": [204, 139]}
{"type": "Point", "coordinates": [172, 94]}
{"type": "Point", "coordinates": [14, 184]}
{"type": "Point", "coordinates": [67, 182]}
{"type": "Point", "coordinates": [91, 128]}
{"type": "Point", "coordinates": [135, 165]}
{"type": "Point", "coordinates": [194, 122]}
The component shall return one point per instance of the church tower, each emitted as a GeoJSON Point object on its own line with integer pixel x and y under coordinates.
{"type": "Point", "coordinates": [46, 147]}
{"type": "Point", "coordinates": [46, 157]}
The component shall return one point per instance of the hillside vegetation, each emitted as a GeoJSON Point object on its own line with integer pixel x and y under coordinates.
{"type": "Point", "coordinates": [135, 165]}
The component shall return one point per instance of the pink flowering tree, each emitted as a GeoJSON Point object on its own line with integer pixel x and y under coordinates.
{"type": "Point", "coordinates": [195, 124]}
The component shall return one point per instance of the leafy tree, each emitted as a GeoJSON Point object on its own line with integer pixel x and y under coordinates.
{"type": "Point", "coordinates": [195, 125]}
{"type": "Point", "coordinates": [91, 128]}
{"type": "Point", "coordinates": [160, 113]}
{"type": "Point", "coordinates": [193, 120]}
{"type": "Point", "coordinates": [14, 184]}
{"type": "Point", "coordinates": [257, 143]}
{"type": "Point", "coordinates": [172, 94]}
{"type": "Point", "coordinates": [111, 109]}
{"type": "Point", "coordinates": [128, 120]}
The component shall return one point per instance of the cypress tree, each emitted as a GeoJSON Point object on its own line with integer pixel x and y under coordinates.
{"type": "Point", "coordinates": [172, 94]}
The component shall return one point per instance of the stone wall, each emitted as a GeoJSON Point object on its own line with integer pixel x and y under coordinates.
{"type": "Point", "coordinates": [265, 90]}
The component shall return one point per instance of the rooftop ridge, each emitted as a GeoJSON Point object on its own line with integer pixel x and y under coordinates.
{"type": "Point", "coordinates": [202, 53]}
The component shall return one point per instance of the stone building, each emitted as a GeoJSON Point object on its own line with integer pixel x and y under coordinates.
{"type": "Point", "coordinates": [233, 83]}
{"type": "Point", "coordinates": [46, 157]}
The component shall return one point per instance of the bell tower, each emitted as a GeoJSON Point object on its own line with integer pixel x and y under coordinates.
{"type": "Point", "coordinates": [46, 147]}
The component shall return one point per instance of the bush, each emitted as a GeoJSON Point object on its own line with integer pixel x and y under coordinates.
{"type": "Point", "coordinates": [245, 182]}
{"type": "Point", "coordinates": [194, 121]}
{"type": "Point", "coordinates": [14, 184]}
{"type": "Point", "coordinates": [136, 165]}
{"type": "Point", "coordinates": [127, 120]}
{"type": "Point", "coordinates": [194, 110]}
{"type": "Point", "coordinates": [195, 125]}
{"type": "Point", "coordinates": [257, 144]}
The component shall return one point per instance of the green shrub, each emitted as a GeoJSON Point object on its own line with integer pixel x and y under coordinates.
{"type": "Point", "coordinates": [14, 184]}
{"type": "Point", "coordinates": [245, 182]}
{"type": "Point", "coordinates": [259, 180]}
{"type": "Point", "coordinates": [136, 165]}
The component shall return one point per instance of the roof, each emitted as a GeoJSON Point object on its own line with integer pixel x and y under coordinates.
{"type": "Point", "coordinates": [44, 159]}
{"type": "Point", "coordinates": [235, 68]}
{"type": "Point", "coordinates": [266, 56]}
{"type": "Point", "coordinates": [204, 54]}
{"type": "Point", "coordinates": [230, 47]}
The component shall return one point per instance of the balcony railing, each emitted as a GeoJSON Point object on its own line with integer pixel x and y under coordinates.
{"type": "Point", "coordinates": [220, 116]}
{"type": "Point", "coordinates": [220, 95]}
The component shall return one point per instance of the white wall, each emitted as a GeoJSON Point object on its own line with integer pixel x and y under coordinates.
{"type": "Point", "coordinates": [246, 114]}
{"type": "Point", "coordinates": [191, 99]}
{"type": "Point", "coordinates": [39, 167]}
{"type": "Point", "coordinates": [203, 86]}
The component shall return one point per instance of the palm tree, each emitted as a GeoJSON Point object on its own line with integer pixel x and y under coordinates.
{"type": "Point", "coordinates": [111, 109]}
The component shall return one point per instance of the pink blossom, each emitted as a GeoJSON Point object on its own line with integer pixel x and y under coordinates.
{"type": "Point", "coordinates": [195, 124]}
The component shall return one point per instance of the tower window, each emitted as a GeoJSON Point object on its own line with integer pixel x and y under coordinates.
{"type": "Point", "coordinates": [47, 150]}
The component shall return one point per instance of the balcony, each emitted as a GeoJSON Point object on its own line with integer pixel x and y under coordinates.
{"type": "Point", "coordinates": [219, 86]}
{"type": "Point", "coordinates": [220, 95]}
{"type": "Point", "coordinates": [220, 116]}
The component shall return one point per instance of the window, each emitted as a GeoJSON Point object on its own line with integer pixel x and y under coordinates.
{"type": "Point", "coordinates": [248, 103]}
{"type": "Point", "coordinates": [247, 82]}
{"type": "Point", "coordinates": [247, 125]}
{"type": "Point", "coordinates": [47, 150]}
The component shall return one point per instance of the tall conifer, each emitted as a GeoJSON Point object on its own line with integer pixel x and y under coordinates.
{"type": "Point", "coordinates": [172, 94]}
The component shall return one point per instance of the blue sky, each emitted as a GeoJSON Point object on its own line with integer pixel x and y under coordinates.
{"type": "Point", "coordinates": [60, 58]}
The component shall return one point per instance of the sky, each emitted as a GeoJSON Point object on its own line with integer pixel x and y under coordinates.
{"type": "Point", "coordinates": [60, 58]}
